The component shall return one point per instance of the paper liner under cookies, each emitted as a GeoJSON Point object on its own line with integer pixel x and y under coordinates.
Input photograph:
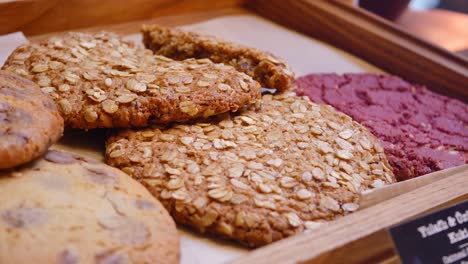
{"type": "Point", "coordinates": [311, 56]}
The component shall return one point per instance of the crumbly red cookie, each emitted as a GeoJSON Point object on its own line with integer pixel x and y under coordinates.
{"type": "Point", "coordinates": [29, 121]}
{"type": "Point", "coordinates": [421, 131]}
{"type": "Point", "coordinates": [257, 176]}
{"type": "Point", "coordinates": [66, 208]}
{"type": "Point", "coordinates": [100, 80]}
{"type": "Point", "coordinates": [268, 69]}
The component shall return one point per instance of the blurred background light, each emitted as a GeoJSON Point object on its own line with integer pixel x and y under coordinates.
{"type": "Point", "coordinates": [424, 4]}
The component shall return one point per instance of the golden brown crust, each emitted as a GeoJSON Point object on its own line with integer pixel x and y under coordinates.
{"type": "Point", "coordinates": [271, 71]}
{"type": "Point", "coordinates": [29, 121]}
{"type": "Point", "coordinates": [99, 80]}
{"type": "Point", "coordinates": [68, 209]}
{"type": "Point", "coordinates": [258, 176]}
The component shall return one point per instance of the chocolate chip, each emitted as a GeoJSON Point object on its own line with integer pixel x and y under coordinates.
{"type": "Point", "coordinates": [68, 256]}
{"type": "Point", "coordinates": [21, 139]}
{"type": "Point", "coordinates": [3, 117]}
{"type": "Point", "coordinates": [112, 258]}
{"type": "Point", "coordinates": [119, 202]}
{"type": "Point", "coordinates": [24, 217]}
{"type": "Point", "coordinates": [60, 157]}
{"type": "Point", "coordinates": [4, 107]}
{"type": "Point", "coordinates": [110, 221]}
{"type": "Point", "coordinates": [19, 114]}
{"type": "Point", "coordinates": [52, 181]}
{"type": "Point", "coordinates": [144, 204]}
{"type": "Point", "coordinates": [126, 230]}
{"type": "Point", "coordinates": [132, 233]}
{"type": "Point", "coordinates": [88, 160]}
{"type": "Point", "coordinates": [49, 104]}
{"type": "Point", "coordinates": [101, 176]}
{"type": "Point", "coordinates": [14, 92]}
{"type": "Point", "coordinates": [15, 114]}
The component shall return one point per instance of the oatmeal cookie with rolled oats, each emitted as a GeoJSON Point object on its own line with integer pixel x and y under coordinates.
{"type": "Point", "coordinates": [29, 121]}
{"type": "Point", "coordinates": [268, 69]}
{"type": "Point", "coordinates": [100, 80]}
{"type": "Point", "coordinates": [260, 175]}
{"type": "Point", "coordinates": [65, 208]}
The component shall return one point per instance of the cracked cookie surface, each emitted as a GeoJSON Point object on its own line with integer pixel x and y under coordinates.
{"type": "Point", "coordinates": [66, 208]}
{"type": "Point", "coordinates": [100, 80]}
{"type": "Point", "coordinates": [269, 70]}
{"type": "Point", "coordinates": [259, 175]}
{"type": "Point", "coordinates": [421, 131]}
{"type": "Point", "coordinates": [29, 121]}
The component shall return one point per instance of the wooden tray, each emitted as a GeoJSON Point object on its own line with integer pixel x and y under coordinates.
{"type": "Point", "coordinates": [359, 237]}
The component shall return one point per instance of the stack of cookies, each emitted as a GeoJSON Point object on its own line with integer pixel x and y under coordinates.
{"type": "Point", "coordinates": [189, 122]}
{"type": "Point", "coordinates": [59, 207]}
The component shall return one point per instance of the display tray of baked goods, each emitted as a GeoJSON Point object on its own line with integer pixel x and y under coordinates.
{"type": "Point", "coordinates": [241, 132]}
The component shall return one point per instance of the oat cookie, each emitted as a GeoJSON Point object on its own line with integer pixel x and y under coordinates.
{"type": "Point", "coordinates": [258, 176]}
{"type": "Point", "coordinates": [66, 208]}
{"type": "Point", "coordinates": [99, 80]}
{"type": "Point", "coordinates": [269, 70]}
{"type": "Point", "coordinates": [29, 121]}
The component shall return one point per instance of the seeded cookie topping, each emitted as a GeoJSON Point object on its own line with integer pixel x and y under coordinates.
{"type": "Point", "coordinates": [260, 175]}
{"type": "Point", "coordinates": [99, 80]}
{"type": "Point", "coordinates": [269, 70]}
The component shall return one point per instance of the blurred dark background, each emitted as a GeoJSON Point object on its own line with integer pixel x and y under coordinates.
{"type": "Point", "coordinates": [443, 22]}
{"type": "Point", "coordinates": [454, 5]}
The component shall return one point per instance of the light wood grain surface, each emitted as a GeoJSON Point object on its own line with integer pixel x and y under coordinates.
{"type": "Point", "coordinates": [135, 26]}
{"type": "Point", "coordinates": [14, 13]}
{"type": "Point", "coordinates": [376, 196]}
{"type": "Point", "coordinates": [41, 16]}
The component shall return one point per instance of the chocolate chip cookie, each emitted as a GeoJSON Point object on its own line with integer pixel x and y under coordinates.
{"type": "Point", "coordinates": [260, 175]}
{"type": "Point", "coordinates": [271, 71]}
{"type": "Point", "coordinates": [66, 208]}
{"type": "Point", "coordinates": [29, 121]}
{"type": "Point", "coordinates": [99, 80]}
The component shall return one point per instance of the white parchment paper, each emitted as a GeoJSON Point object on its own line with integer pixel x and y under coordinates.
{"type": "Point", "coordinates": [8, 43]}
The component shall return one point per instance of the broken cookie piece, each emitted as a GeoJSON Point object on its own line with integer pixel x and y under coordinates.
{"type": "Point", "coordinates": [269, 70]}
